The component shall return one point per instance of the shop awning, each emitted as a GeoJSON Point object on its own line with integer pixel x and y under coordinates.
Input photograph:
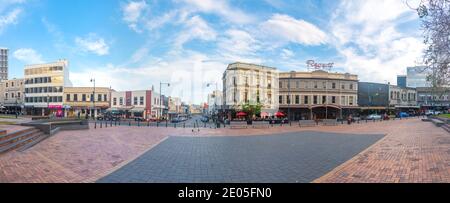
{"type": "Point", "coordinates": [137, 110]}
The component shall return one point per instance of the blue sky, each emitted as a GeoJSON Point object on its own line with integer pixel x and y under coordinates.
{"type": "Point", "coordinates": [134, 44]}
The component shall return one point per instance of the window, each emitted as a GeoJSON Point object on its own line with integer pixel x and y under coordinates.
{"type": "Point", "coordinates": [114, 101]}
{"type": "Point", "coordinates": [333, 85]}
{"type": "Point", "coordinates": [60, 99]}
{"type": "Point", "coordinates": [315, 85]}
{"type": "Point", "coordinates": [280, 99]}
{"type": "Point", "coordinates": [135, 102]}
{"type": "Point", "coordinates": [234, 83]}
{"type": "Point", "coordinates": [324, 85]}
{"type": "Point", "coordinates": [121, 101]}
{"type": "Point", "coordinates": [92, 97]}
{"type": "Point", "coordinates": [141, 101]}
{"type": "Point", "coordinates": [6, 95]}
{"type": "Point", "coordinates": [105, 97]}
{"type": "Point", "coordinates": [288, 99]}
{"type": "Point", "coordinates": [351, 86]}
{"type": "Point", "coordinates": [83, 97]}
{"type": "Point", "coordinates": [343, 101]}
{"type": "Point", "coordinates": [297, 99]}
{"type": "Point", "coordinates": [315, 99]}
{"type": "Point", "coordinates": [12, 95]}
{"type": "Point", "coordinates": [18, 94]}
{"type": "Point", "coordinates": [350, 102]}
{"type": "Point", "coordinates": [343, 86]}
{"type": "Point", "coordinates": [324, 99]}
{"type": "Point", "coordinates": [333, 99]}
{"type": "Point", "coordinates": [12, 84]}
{"type": "Point", "coordinates": [68, 97]}
{"type": "Point", "coordinates": [75, 97]}
{"type": "Point", "coordinates": [281, 84]}
{"type": "Point", "coordinates": [100, 97]}
{"type": "Point", "coordinates": [306, 99]}
{"type": "Point", "coordinates": [297, 84]}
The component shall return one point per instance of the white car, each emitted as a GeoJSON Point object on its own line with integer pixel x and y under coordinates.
{"type": "Point", "coordinates": [374, 117]}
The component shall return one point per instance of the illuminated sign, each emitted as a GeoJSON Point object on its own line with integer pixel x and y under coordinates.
{"type": "Point", "coordinates": [319, 66]}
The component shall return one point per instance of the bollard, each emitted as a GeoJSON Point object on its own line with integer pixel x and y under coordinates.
{"type": "Point", "coordinates": [184, 125]}
{"type": "Point", "coordinates": [95, 125]}
{"type": "Point", "coordinates": [111, 124]}
{"type": "Point", "coordinates": [205, 125]}
{"type": "Point", "coordinates": [148, 123]}
{"type": "Point", "coordinates": [106, 124]}
{"type": "Point", "coordinates": [129, 123]}
{"type": "Point", "coordinates": [174, 125]}
{"type": "Point", "coordinates": [115, 123]}
{"type": "Point", "coordinates": [100, 124]}
{"type": "Point", "coordinates": [138, 123]}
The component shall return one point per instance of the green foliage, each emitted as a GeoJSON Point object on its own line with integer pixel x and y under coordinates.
{"type": "Point", "coordinates": [251, 109]}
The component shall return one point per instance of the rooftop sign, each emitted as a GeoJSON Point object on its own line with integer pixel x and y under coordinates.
{"type": "Point", "coordinates": [311, 64]}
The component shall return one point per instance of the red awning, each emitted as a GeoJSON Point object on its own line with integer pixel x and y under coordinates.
{"type": "Point", "coordinates": [241, 114]}
{"type": "Point", "coordinates": [280, 114]}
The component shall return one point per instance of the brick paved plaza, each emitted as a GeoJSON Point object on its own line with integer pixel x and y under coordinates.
{"type": "Point", "coordinates": [410, 151]}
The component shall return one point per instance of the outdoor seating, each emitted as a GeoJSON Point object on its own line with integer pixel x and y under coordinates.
{"type": "Point", "coordinates": [238, 124]}
{"type": "Point", "coordinates": [260, 124]}
{"type": "Point", "coordinates": [307, 123]}
{"type": "Point", "coordinates": [329, 122]}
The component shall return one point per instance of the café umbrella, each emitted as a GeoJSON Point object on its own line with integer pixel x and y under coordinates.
{"type": "Point", "coordinates": [241, 114]}
{"type": "Point", "coordinates": [280, 114]}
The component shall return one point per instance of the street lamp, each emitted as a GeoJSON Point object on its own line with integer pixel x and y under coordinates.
{"type": "Point", "coordinates": [160, 97]}
{"type": "Point", "coordinates": [93, 99]}
{"type": "Point", "coordinates": [215, 96]}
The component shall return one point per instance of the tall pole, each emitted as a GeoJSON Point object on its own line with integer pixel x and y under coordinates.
{"type": "Point", "coordinates": [289, 97]}
{"type": "Point", "coordinates": [326, 99]}
{"type": "Point", "coordinates": [93, 99]}
{"type": "Point", "coordinates": [160, 97]}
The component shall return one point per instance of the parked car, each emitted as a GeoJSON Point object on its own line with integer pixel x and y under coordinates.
{"type": "Point", "coordinates": [176, 120]}
{"type": "Point", "coordinates": [139, 119]}
{"type": "Point", "coordinates": [373, 117]}
{"type": "Point", "coordinates": [403, 115]}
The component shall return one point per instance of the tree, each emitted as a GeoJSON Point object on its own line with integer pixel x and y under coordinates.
{"type": "Point", "coordinates": [251, 109]}
{"type": "Point", "coordinates": [435, 16]}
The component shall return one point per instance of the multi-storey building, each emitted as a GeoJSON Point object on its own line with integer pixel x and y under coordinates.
{"type": "Point", "coordinates": [11, 95]}
{"type": "Point", "coordinates": [402, 98]}
{"type": "Point", "coordinates": [83, 101]}
{"type": "Point", "coordinates": [317, 95]}
{"type": "Point", "coordinates": [249, 83]}
{"type": "Point", "coordinates": [430, 98]}
{"type": "Point", "coordinates": [134, 103]}
{"type": "Point", "coordinates": [3, 64]}
{"type": "Point", "coordinates": [215, 102]}
{"type": "Point", "coordinates": [44, 88]}
{"type": "Point", "coordinates": [382, 98]}
{"type": "Point", "coordinates": [417, 76]}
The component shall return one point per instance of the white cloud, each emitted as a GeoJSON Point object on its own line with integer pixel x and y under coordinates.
{"type": "Point", "coordinates": [286, 54]}
{"type": "Point", "coordinates": [29, 56]}
{"type": "Point", "coordinates": [221, 8]}
{"type": "Point", "coordinates": [367, 37]}
{"type": "Point", "coordinates": [284, 28]}
{"type": "Point", "coordinates": [238, 42]}
{"type": "Point", "coordinates": [132, 13]}
{"type": "Point", "coordinates": [187, 74]}
{"type": "Point", "coordinates": [195, 28]}
{"type": "Point", "coordinates": [9, 19]}
{"type": "Point", "coordinates": [92, 43]}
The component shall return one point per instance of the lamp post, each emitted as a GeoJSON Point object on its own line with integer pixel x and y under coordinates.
{"type": "Point", "coordinates": [93, 99]}
{"type": "Point", "coordinates": [215, 96]}
{"type": "Point", "coordinates": [160, 96]}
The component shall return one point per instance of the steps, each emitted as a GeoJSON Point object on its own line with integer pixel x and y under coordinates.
{"type": "Point", "coordinates": [22, 139]}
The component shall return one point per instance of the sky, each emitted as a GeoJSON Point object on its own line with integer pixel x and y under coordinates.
{"type": "Point", "coordinates": [136, 44]}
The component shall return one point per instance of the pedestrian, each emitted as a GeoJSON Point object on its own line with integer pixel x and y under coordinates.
{"type": "Point", "coordinates": [79, 115]}
{"type": "Point", "coordinates": [349, 120]}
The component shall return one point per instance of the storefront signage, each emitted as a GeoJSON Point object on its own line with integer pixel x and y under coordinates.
{"type": "Point", "coordinates": [319, 66]}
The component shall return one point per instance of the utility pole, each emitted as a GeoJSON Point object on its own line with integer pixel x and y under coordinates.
{"type": "Point", "coordinates": [160, 97]}
{"type": "Point", "coordinates": [93, 99]}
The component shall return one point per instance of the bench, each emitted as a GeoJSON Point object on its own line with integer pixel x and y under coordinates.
{"type": "Point", "coordinates": [437, 122]}
{"type": "Point", "coordinates": [329, 122]}
{"type": "Point", "coordinates": [307, 123]}
{"type": "Point", "coordinates": [238, 124]}
{"type": "Point", "coordinates": [260, 124]}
